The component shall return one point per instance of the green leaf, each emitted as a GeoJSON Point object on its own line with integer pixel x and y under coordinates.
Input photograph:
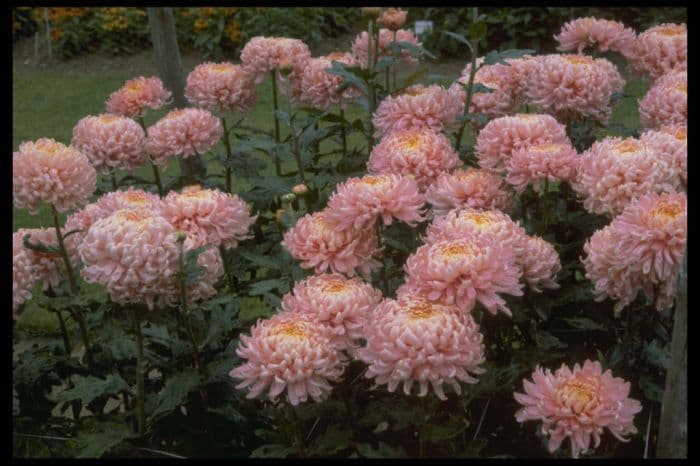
{"type": "Point", "coordinates": [459, 38]}
{"type": "Point", "coordinates": [39, 246]}
{"type": "Point", "coordinates": [583, 323]}
{"type": "Point", "coordinates": [116, 341]}
{"type": "Point", "coordinates": [651, 389]}
{"type": "Point", "coordinates": [229, 413]}
{"type": "Point", "coordinates": [93, 444]}
{"type": "Point", "coordinates": [263, 286]}
{"type": "Point", "coordinates": [546, 341]}
{"type": "Point", "coordinates": [412, 78]}
{"type": "Point", "coordinates": [396, 244]}
{"type": "Point", "coordinates": [174, 393]}
{"type": "Point", "coordinates": [352, 76]}
{"type": "Point", "coordinates": [479, 87]}
{"type": "Point", "coordinates": [191, 271]}
{"type": "Point", "coordinates": [332, 441]}
{"type": "Point", "coordinates": [267, 261]}
{"type": "Point", "coordinates": [87, 388]}
{"type": "Point", "coordinates": [494, 57]}
{"type": "Point", "coordinates": [254, 308]}
{"type": "Point", "coordinates": [477, 31]}
{"type": "Point", "coordinates": [222, 321]}
{"type": "Point", "coordinates": [657, 356]}
{"type": "Point", "coordinates": [273, 450]}
{"type": "Point", "coordinates": [413, 49]}
{"type": "Point", "coordinates": [382, 450]}
{"type": "Point", "coordinates": [436, 433]}
{"type": "Point", "coordinates": [385, 62]}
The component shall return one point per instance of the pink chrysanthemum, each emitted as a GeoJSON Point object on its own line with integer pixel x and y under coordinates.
{"type": "Point", "coordinates": [221, 86]}
{"type": "Point", "coordinates": [411, 340]}
{"type": "Point", "coordinates": [386, 37]}
{"type": "Point", "coordinates": [578, 404]}
{"type": "Point", "coordinates": [603, 33]}
{"type": "Point", "coordinates": [421, 153]}
{"type": "Point", "coordinates": [319, 88]}
{"type": "Point", "coordinates": [540, 264]}
{"type": "Point", "coordinates": [47, 268]}
{"type": "Point", "coordinates": [660, 49]}
{"type": "Point", "coordinates": [357, 202]}
{"type": "Point", "coordinates": [574, 86]}
{"type": "Point", "coordinates": [670, 142]}
{"type": "Point", "coordinates": [132, 253]}
{"type": "Point", "coordinates": [343, 304]}
{"type": "Point", "coordinates": [520, 71]}
{"type": "Point", "coordinates": [496, 142]}
{"type": "Point", "coordinates": [463, 271]}
{"type": "Point", "coordinates": [186, 132]}
{"type": "Point", "coordinates": [614, 171]}
{"type": "Point", "coordinates": [137, 95]}
{"type": "Point", "coordinates": [264, 54]}
{"type": "Point", "coordinates": [641, 250]}
{"type": "Point", "coordinates": [468, 187]}
{"type": "Point", "coordinates": [432, 107]}
{"type": "Point", "coordinates": [666, 103]}
{"type": "Point", "coordinates": [321, 246]}
{"type": "Point", "coordinates": [110, 141]}
{"type": "Point", "coordinates": [208, 215]}
{"type": "Point", "coordinates": [533, 164]}
{"type": "Point", "coordinates": [48, 171]}
{"type": "Point", "coordinates": [292, 352]}
{"type": "Point", "coordinates": [23, 277]}
{"type": "Point", "coordinates": [499, 78]}
{"type": "Point", "coordinates": [203, 288]}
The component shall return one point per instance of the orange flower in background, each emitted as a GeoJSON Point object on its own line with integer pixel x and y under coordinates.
{"type": "Point", "coordinates": [56, 33]}
{"type": "Point", "coordinates": [200, 24]}
{"type": "Point", "coordinates": [233, 30]}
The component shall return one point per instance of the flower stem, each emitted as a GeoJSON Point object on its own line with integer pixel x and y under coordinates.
{"type": "Point", "coordinates": [113, 176]}
{"type": "Point", "coordinates": [298, 433]}
{"type": "Point", "coordinates": [343, 135]}
{"type": "Point", "coordinates": [140, 369]}
{"type": "Point", "coordinates": [371, 97]}
{"type": "Point", "coordinates": [545, 204]}
{"type": "Point", "coordinates": [295, 141]}
{"type": "Point", "coordinates": [470, 85]}
{"type": "Point", "coordinates": [394, 67]}
{"type": "Point", "coordinates": [423, 421]}
{"type": "Point", "coordinates": [64, 332]}
{"type": "Point", "coordinates": [278, 167]}
{"type": "Point", "coordinates": [227, 143]}
{"type": "Point", "coordinates": [156, 173]}
{"type": "Point", "coordinates": [227, 269]}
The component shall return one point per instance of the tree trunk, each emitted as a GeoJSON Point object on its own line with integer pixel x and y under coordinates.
{"type": "Point", "coordinates": [673, 428]}
{"type": "Point", "coordinates": [167, 54]}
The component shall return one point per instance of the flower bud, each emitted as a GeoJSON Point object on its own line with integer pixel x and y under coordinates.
{"type": "Point", "coordinates": [300, 189]}
{"type": "Point", "coordinates": [393, 18]}
{"type": "Point", "coordinates": [287, 198]}
{"type": "Point", "coordinates": [285, 67]}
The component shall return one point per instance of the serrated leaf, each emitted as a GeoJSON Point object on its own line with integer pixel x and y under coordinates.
{"type": "Point", "coordinates": [263, 286]}
{"type": "Point", "coordinates": [261, 260]}
{"type": "Point", "coordinates": [229, 413]}
{"type": "Point", "coordinates": [174, 392]}
{"type": "Point", "coordinates": [583, 323]}
{"type": "Point", "coordinates": [657, 356]}
{"type": "Point", "coordinates": [385, 62]}
{"type": "Point", "coordinates": [382, 450]}
{"type": "Point", "coordinates": [395, 244]}
{"type": "Point", "coordinates": [479, 87]}
{"type": "Point", "coordinates": [333, 440]}
{"type": "Point", "coordinates": [494, 57]}
{"type": "Point", "coordinates": [222, 321]}
{"type": "Point", "coordinates": [118, 342]}
{"type": "Point", "coordinates": [273, 450]}
{"type": "Point", "coordinates": [95, 444]}
{"type": "Point", "coordinates": [87, 388]}
{"type": "Point", "coordinates": [254, 308]}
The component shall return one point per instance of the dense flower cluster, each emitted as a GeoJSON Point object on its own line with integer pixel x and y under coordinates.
{"type": "Point", "coordinates": [666, 103]}
{"type": "Point", "coordinates": [186, 132]}
{"type": "Point", "coordinates": [264, 54]}
{"type": "Point", "coordinates": [386, 37]}
{"type": "Point", "coordinates": [468, 187]}
{"type": "Point", "coordinates": [137, 95]}
{"type": "Point", "coordinates": [501, 81]}
{"type": "Point", "coordinates": [530, 165]}
{"type": "Point", "coordinates": [23, 277]}
{"type": "Point", "coordinates": [110, 142]}
{"type": "Point", "coordinates": [660, 49]}
{"type": "Point", "coordinates": [671, 143]}
{"type": "Point", "coordinates": [319, 87]}
{"type": "Point", "coordinates": [602, 33]}
{"type": "Point", "coordinates": [221, 86]}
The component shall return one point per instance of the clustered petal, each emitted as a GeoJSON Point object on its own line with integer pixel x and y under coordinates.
{"type": "Point", "coordinates": [23, 277]}
{"type": "Point", "coordinates": [319, 87]}
{"type": "Point", "coordinates": [221, 86]}
{"type": "Point", "coordinates": [468, 187]}
{"type": "Point", "coordinates": [110, 141]}
{"type": "Point", "coordinates": [660, 49]}
{"type": "Point", "coordinates": [540, 263]}
{"type": "Point", "coordinates": [186, 132]}
{"type": "Point", "coordinates": [260, 55]}
{"type": "Point", "coordinates": [578, 404]}
{"type": "Point", "coordinates": [603, 33]}
{"type": "Point", "coordinates": [666, 102]}
{"type": "Point", "coordinates": [671, 143]}
{"type": "Point", "coordinates": [137, 95]}
{"type": "Point", "coordinates": [530, 165]}
{"type": "Point", "coordinates": [500, 101]}
{"type": "Point", "coordinates": [46, 268]}
{"type": "Point", "coordinates": [386, 37]}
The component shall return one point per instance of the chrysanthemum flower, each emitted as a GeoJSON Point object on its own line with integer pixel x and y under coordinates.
{"type": "Point", "coordinates": [666, 103]}
{"type": "Point", "coordinates": [574, 86]}
{"type": "Point", "coordinates": [540, 263]}
{"type": "Point", "coordinates": [23, 277]}
{"type": "Point", "coordinates": [291, 352]}
{"type": "Point", "coordinates": [533, 164]}
{"type": "Point", "coordinates": [203, 288]}
{"type": "Point", "coordinates": [392, 18]}
{"type": "Point", "coordinates": [614, 171]}
{"type": "Point", "coordinates": [499, 78]}
{"type": "Point", "coordinates": [520, 71]}
{"type": "Point", "coordinates": [221, 87]}
{"type": "Point", "coordinates": [208, 215]}
{"type": "Point", "coordinates": [264, 54]}
{"type": "Point", "coordinates": [319, 88]}
{"type": "Point", "coordinates": [132, 253]}
{"type": "Point", "coordinates": [357, 202]}
{"type": "Point", "coordinates": [431, 107]}
{"type": "Point", "coordinates": [421, 153]}
{"type": "Point", "coordinates": [463, 271]}
{"type": "Point", "coordinates": [590, 32]}
{"type": "Point", "coordinates": [186, 132]}
{"type": "Point", "coordinates": [661, 48]}
{"type": "Point", "coordinates": [670, 142]}
{"type": "Point", "coordinates": [578, 404]}
{"type": "Point", "coordinates": [641, 250]}
{"type": "Point", "coordinates": [321, 246]}
{"type": "Point", "coordinates": [468, 187]}
{"type": "Point", "coordinates": [341, 303]}
{"type": "Point", "coordinates": [496, 142]}
{"type": "Point", "coordinates": [110, 141]}
{"type": "Point", "coordinates": [137, 95]}
{"type": "Point", "coordinates": [48, 171]}
{"type": "Point", "coordinates": [412, 340]}
{"type": "Point", "coordinates": [46, 268]}
{"type": "Point", "coordinates": [386, 37]}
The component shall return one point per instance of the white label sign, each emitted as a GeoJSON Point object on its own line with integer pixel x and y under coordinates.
{"type": "Point", "coordinates": [422, 27]}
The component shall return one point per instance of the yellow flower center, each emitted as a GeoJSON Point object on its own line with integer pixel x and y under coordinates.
{"type": "Point", "coordinates": [414, 91]}
{"type": "Point", "coordinates": [454, 251]}
{"type": "Point", "coordinates": [479, 219]}
{"type": "Point", "coordinates": [421, 310]}
{"type": "Point", "coordinates": [335, 56]}
{"type": "Point", "coordinates": [628, 146]}
{"type": "Point", "coordinates": [108, 118]}
{"type": "Point", "coordinates": [374, 180]}
{"type": "Point", "coordinates": [136, 198]}
{"type": "Point", "coordinates": [134, 88]}
{"type": "Point", "coordinates": [577, 395]}
{"type": "Point", "coordinates": [335, 287]}
{"type": "Point", "coordinates": [526, 116]}
{"type": "Point", "coordinates": [412, 142]}
{"type": "Point", "coordinates": [578, 59]}
{"type": "Point", "coordinates": [465, 175]}
{"type": "Point", "coordinates": [135, 216]}
{"type": "Point", "coordinates": [290, 329]}
{"type": "Point", "coordinates": [671, 31]}
{"type": "Point", "coordinates": [195, 191]}
{"type": "Point", "coordinates": [681, 134]}
{"type": "Point", "coordinates": [682, 88]}
{"type": "Point", "coordinates": [666, 211]}
{"type": "Point", "coordinates": [547, 147]}
{"type": "Point", "coordinates": [221, 67]}
{"type": "Point", "coordinates": [174, 114]}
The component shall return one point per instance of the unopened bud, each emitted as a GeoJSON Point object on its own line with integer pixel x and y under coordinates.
{"type": "Point", "coordinates": [181, 237]}
{"type": "Point", "coordinates": [300, 189]}
{"type": "Point", "coordinates": [393, 18]}
{"type": "Point", "coordinates": [371, 11]}
{"type": "Point", "coordinates": [285, 67]}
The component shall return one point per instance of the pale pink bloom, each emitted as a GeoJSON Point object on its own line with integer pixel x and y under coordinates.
{"type": "Point", "coordinates": [110, 141]}
{"type": "Point", "coordinates": [469, 187]}
{"type": "Point", "coordinates": [500, 78]}
{"type": "Point", "coordinates": [660, 49]}
{"type": "Point", "coordinates": [540, 264]}
{"type": "Point", "coordinates": [186, 132]}
{"type": "Point", "coordinates": [46, 268]}
{"type": "Point", "coordinates": [520, 71]}
{"type": "Point", "coordinates": [432, 107]}
{"type": "Point", "coordinates": [209, 216]}
{"type": "Point", "coordinates": [23, 277]}
{"type": "Point", "coordinates": [133, 254]}
{"type": "Point", "coordinates": [319, 87]}
{"type": "Point", "coordinates": [221, 86]}
{"type": "Point", "coordinates": [574, 86]}
{"type": "Point", "coordinates": [203, 288]}
{"type": "Point", "coordinates": [341, 303]}
{"type": "Point", "coordinates": [578, 404]}
{"type": "Point", "coordinates": [641, 250]}
{"type": "Point", "coordinates": [615, 171]}
{"type": "Point", "coordinates": [531, 165]}
{"type": "Point", "coordinates": [137, 95]}
{"type": "Point", "coordinates": [260, 55]}
{"type": "Point", "coordinates": [411, 340]}
{"type": "Point", "coordinates": [463, 271]}
{"type": "Point", "coordinates": [291, 352]}
{"type": "Point", "coordinates": [590, 32]}
{"type": "Point", "coordinates": [421, 153]}
{"type": "Point", "coordinates": [666, 103]}
{"type": "Point", "coordinates": [357, 202]}
{"type": "Point", "coordinates": [496, 142]}
{"type": "Point", "coordinates": [48, 171]}
{"type": "Point", "coordinates": [386, 37]}
{"type": "Point", "coordinates": [321, 246]}
{"type": "Point", "coordinates": [670, 142]}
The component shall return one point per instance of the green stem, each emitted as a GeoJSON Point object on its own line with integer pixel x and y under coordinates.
{"type": "Point", "coordinates": [295, 141]}
{"type": "Point", "coordinates": [545, 204]}
{"type": "Point", "coordinates": [227, 269]}
{"type": "Point", "coordinates": [114, 180]}
{"type": "Point", "coordinates": [421, 430]}
{"type": "Point", "coordinates": [140, 369]}
{"type": "Point", "coordinates": [394, 67]}
{"type": "Point", "coordinates": [298, 433]}
{"type": "Point", "coordinates": [64, 333]}
{"type": "Point", "coordinates": [156, 173]}
{"type": "Point", "coordinates": [371, 97]}
{"type": "Point", "coordinates": [227, 143]}
{"type": "Point", "coordinates": [470, 85]}
{"type": "Point", "coordinates": [343, 135]}
{"type": "Point", "coordinates": [278, 166]}
{"type": "Point", "coordinates": [386, 79]}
